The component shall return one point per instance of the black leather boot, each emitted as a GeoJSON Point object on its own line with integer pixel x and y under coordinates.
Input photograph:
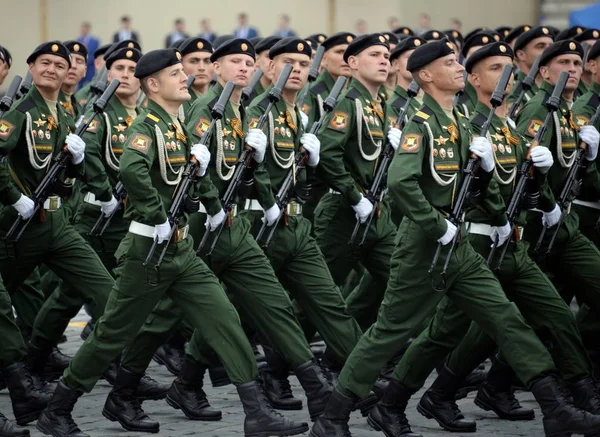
{"type": "Point", "coordinates": [218, 376]}
{"type": "Point", "coordinates": [28, 401]}
{"type": "Point", "coordinates": [110, 374]}
{"type": "Point", "coordinates": [316, 386]}
{"type": "Point", "coordinates": [585, 395]}
{"type": "Point", "coordinates": [388, 415]}
{"type": "Point", "coordinates": [87, 330]}
{"type": "Point", "coordinates": [123, 406]}
{"type": "Point", "coordinates": [56, 419]}
{"type": "Point", "coordinates": [186, 393]}
{"type": "Point", "coordinates": [496, 394]}
{"type": "Point", "coordinates": [561, 418]}
{"type": "Point", "coordinates": [261, 420]}
{"type": "Point", "coordinates": [334, 421]}
{"type": "Point", "coordinates": [438, 403]}
{"type": "Point", "coordinates": [9, 429]}
{"type": "Point", "coordinates": [471, 383]}
{"type": "Point", "coordinates": [276, 383]}
{"type": "Point", "coordinates": [150, 389]}
{"type": "Point", "coordinates": [46, 361]}
{"type": "Point", "coordinates": [170, 357]}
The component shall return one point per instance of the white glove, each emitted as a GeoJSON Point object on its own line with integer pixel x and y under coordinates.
{"type": "Point", "coordinates": [481, 147]}
{"type": "Point", "coordinates": [258, 141]}
{"type": "Point", "coordinates": [76, 146]}
{"type": "Point", "coordinates": [24, 206]}
{"type": "Point", "coordinates": [161, 232]}
{"type": "Point", "coordinates": [551, 218]}
{"type": "Point", "coordinates": [304, 118]}
{"type": "Point", "coordinates": [313, 146]}
{"type": "Point", "coordinates": [590, 136]}
{"type": "Point", "coordinates": [450, 233]}
{"type": "Point", "coordinates": [272, 214]}
{"type": "Point", "coordinates": [107, 208]}
{"type": "Point", "coordinates": [363, 209]}
{"type": "Point", "coordinates": [542, 158]}
{"type": "Point", "coordinates": [501, 232]}
{"type": "Point", "coordinates": [202, 155]}
{"type": "Point", "coordinates": [213, 221]}
{"type": "Point", "coordinates": [394, 135]}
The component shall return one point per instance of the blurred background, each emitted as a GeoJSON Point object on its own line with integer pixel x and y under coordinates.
{"type": "Point", "coordinates": [26, 23]}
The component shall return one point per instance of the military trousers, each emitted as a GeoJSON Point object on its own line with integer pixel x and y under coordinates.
{"type": "Point", "coordinates": [410, 297]}
{"type": "Point", "coordinates": [12, 347]}
{"type": "Point", "coordinates": [190, 284]}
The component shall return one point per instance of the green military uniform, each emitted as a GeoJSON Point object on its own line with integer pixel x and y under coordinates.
{"type": "Point", "coordinates": [150, 182]}
{"type": "Point", "coordinates": [293, 252]}
{"type": "Point", "coordinates": [517, 88]}
{"type": "Point", "coordinates": [188, 105]}
{"type": "Point", "coordinates": [423, 177]}
{"type": "Point", "coordinates": [31, 137]}
{"type": "Point", "coordinates": [83, 94]}
{"type": "Point", "coordinates": [467, 100]}
{"type": "Point", "coordinates": [70, 104]}
{"type": "Point", "coordinates": [573, 257]}
{"type": "Point", "coordinates": [582, 89]}
{"type": "Point", "coordinates": [521, 279]}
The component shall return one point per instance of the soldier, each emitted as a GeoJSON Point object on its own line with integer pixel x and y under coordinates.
{"type": "Point", "coordinates": [527, 47]}
{"type": "Point", "coordinates": [515, 33]}
{"type": "Point", "coordinates": [589, 37]}
{"type": "Point", "coordinates": [5, 63]}
{"type": "Point", "coordinates": [76, 73]}
{"type": "Point", "coordinates": [150, 183]}
{"type": "Point", "coordinates": [196, 61]}
{"type": "Point", "coordinates": [82, 95]}
{"type": "Point", "coordinates": [398, 59]}
{"type": "Point", "coordinates": [314, 41]}
{"type": "Point", "coordinates": [423, 178]}
{"type": "Point", "coordinates": [262, 62]}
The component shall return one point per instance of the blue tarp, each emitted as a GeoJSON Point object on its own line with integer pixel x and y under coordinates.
{"type": "Point", "coordinates": [588, 16]}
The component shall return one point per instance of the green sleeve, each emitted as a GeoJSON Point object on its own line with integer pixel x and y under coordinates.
{"type": "Point", "coordinates": [13, 125]}
{"type": "Point", "coordinates": [95, 176]}
{"type": "Point", "coordinates": [134, 171]}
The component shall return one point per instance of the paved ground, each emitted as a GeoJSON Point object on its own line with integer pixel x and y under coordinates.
{"type": "Point", "coordinates": [88, 411]}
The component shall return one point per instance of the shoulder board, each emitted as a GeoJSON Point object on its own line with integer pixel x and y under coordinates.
{"type": "Point", "coordinates": [264, 103]}
{"type": "Point", "coordinates": [26, 105]}
{"type": "Point", "coordinates": [594, 101]}
{"type": "Point", "coordinates": [151, 118]}
{"type": "Point", "coordinates": [318, 88]}
{"type": "Point", "coordinates": [213, 102]}
{"type": "Point", "coordinates": [353, 94]}
{"type": "Point", "coordinates": [398, 103]}
{"type": "Point", "coordinates": [463, 98]}
{"type": "Point", "coordinates": [478, 120]}
{"type": "Point", "coordinates": [422, 115]}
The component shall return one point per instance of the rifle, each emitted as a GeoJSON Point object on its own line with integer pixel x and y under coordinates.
{"type": "Point", "coordinates": [96, 88]}
{"type": "Point", "coordinates": [190, 81]}
{"type": "Point", "coordinates": [458, 210]}
{"type": "Point", "coordinates": [526, 85]}
{"type": "Point", "coordinates": [286, 190]}
{"type": "Point", "coordinates": [25, 85]}
{"type": "Point", "coordinates": [244, 162]}
{"type": "Point", "coordinates": [313, 73]}
{"type": "Point", "coordinates": [571, 186]}
{"type": "Point", "coordinates": [8, 99]}
{"type": "Point", "coordinates": [248, 90]}
{"type": "Point", "coordinates": [44, 189]}
{"type": "Point", "coordinates": [525, 174]}
{"type": "Point", "coordinates": [375, 193]}
{"type": "Point", "coordinates": [189, 176]}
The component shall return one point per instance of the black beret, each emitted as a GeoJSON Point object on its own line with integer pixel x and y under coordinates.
{"type": "Point", "coordinates": [587, 34]}
{"type": "Point", "coordinates": [233, 47]}
{"type": "Point", "coordinates": [426, 54]}
{"type": "Point", "coordinates": [50, 48]}
{"type": "Point", "coordinates": [156, 60]}
{"type": "Point", "coordinates": [338, 39]}
{"type": "Point", "coordinates": [316, 39]}
{"type": "Point", "coordinates": [100, 51]}
{"type": "Point", "coordinates": [454, 36]}
{"type": "Point", "coordinates": [564, 47]}
{"type": "Point", "coordinates": [255, 40]}
{"type": "Point", "coordinates": [503, 30]}
{"type": "Point", "coordinates": [553, 31]}
{"type": "Point", "coordinates": [516, 32]}
{"type": "Point", "coordinates": [220, 40]}
{"type": "Point", "coordinates": [480, 39]}
{"type": "Point", "coordinates": [364, 42]}
{"type": "Point", "coordinates": [404, 30]}
{"type": "Point", "coordinates": [76, 48]}
{"type": "Point", "coordinates": [594, 51]}
{"type": "Point", "coordinates": [119, 45]}
{"type": "Point", "coordinates": [408, 43]}
{"type": "Point", "coordinates": [433, 35]}
{"type": "Point", "coordinates": [526, 37]}
{"type": "Point", "coordinates": [6, 56]}
{"type": "Point", "coordinates": [290, 45]}
{"type": "Point", "coordinates": [195, 44]}
{"type": "Point", "coordinates": [176, 44]}
{"type": "Point", "coordinates": [266, 43]}
{"type": "Point", "coordinates": [392, 39]}
{"type": "Point", "coordinates": [487, 51]}
{"type": "Point", "coordinates": [124, 53]}
{"type": "Point", "coordinates": [474, 31]}
{"type": "Point", "coordinates": [569, 33]}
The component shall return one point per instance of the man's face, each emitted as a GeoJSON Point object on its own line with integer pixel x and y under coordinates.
{"type": "Point", "coordinates": [99, 62]}
{"type": "Point", "coordinates": [243, 20]}
{"type": "Point", "coordinates": [300, 65]}
{"type": "Point", "coordinates": [126, 24]}
{"type": "Point", "coordinates": [49, 71]}
{"type": "Point", "coordinates": [470, 51]}
{"type": "Point", "coordinates": [372, 65]}
{"type": "Point", "coordinates": [533, 49]}
{"type": "Point", "coordinates": [198, 64]}
{"type": "Point", "coordinates": [235, 68]}
{"type": "Point", "coordinates": [570, 63]}
{"type": "Point", "coordinates": [77, 70]}
{"type": "Point", "coordinates": [84, 30]}
{"type": "Point", "coordinates": [444, 74]}
{"type": "Point", "coordinates": [4, 68]}
{"type": "Point", "coordinates": [487, 72]}
{"type": "Point", "coordinates": [123, 70]}
{"type": "Point", "coordinates": [172, 84]}
{"type": "Point", "coordinates": [400, 65]}
{"type": "Point", "coordinates": [333, 61]}
{"type": "Point", "coordinates": [263, 61]}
